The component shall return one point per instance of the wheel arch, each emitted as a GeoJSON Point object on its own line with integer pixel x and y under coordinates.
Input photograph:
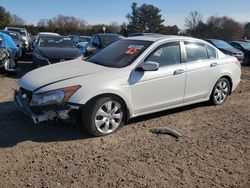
{"type": "Point", "coordinates": [102, 95]}
{"type": "Point", "coordinates": [230, 81]}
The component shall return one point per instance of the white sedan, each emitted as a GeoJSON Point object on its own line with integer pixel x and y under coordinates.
{"type": "Point", "coordinates": [132, 77]}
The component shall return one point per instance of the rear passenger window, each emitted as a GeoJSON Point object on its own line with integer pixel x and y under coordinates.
{"type": "Point", "coordinates": [167, 54]}
{"type": "Point", "coordinates": [195, 51]}
{"type": "Point", "coordinates": [211, 52]}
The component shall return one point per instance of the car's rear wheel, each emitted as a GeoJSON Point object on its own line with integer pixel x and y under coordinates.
{"type": "Point", "coordinates": [103, 116]}
{"type": "Point", "coordinates": [220, 92]}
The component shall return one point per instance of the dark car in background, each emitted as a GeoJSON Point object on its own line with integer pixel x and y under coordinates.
{"type": "Point", "coordinates": [143, 34]}
{"type": "Point", "coordinates": [17, 38]}
{"type": "Point", "coordinates": [244, 40]}
{"type": "Point", "coordinates": [244, 47]}
{"type": "Point", "coordinates": [100, 41]}
{"type": "Point", "coordinates": [54, 49]}
{"type": "Point", "coordinates": [227, 48]}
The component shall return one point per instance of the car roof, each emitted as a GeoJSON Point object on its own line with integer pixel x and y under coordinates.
{"type": "Point", "coordinates": [109, 34]}
{"type": "Point", "coordinates": [53, 36]}
{"type": "Point", "coordinates": [4, 31]}
{"type": "Point", "coordinates": [20, 28]}
{"type": "Point", "coordinates": [142, 34]}
{"type": "Point", "coordinates": [154, 38]}
{"type": "Point", "coordinates": [48, 33]}
{"type": "Point", "coordinates": [238, 41]}
{"type": "Point", "coordinates": [85, 36]}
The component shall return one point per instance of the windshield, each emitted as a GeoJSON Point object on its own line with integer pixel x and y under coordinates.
{"type": "Point", "coordinates": [56, 42]}
{"type": "Point", "coordinates": [84, 39]}
{"type": "Point", "coordinates": [20, 31]}
{"type": "Point", "coordinates": [245, 45]}
{"type": "Point", "coordinates": [120, 54]}
{"type": "Point", "coordinates": [14, 36]}
{"type": "Point", "coordinates": [109, 39]}
{"type": "Point", "coordinates": [221, 44]}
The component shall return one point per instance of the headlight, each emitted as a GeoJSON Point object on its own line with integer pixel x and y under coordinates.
{"type": "Point", "coordinates": [59, 96]}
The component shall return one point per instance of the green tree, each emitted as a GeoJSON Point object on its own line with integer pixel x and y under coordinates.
{"type": "Point", "coordinates": [170, 30]}
{"type": "Point", "coordinates": [5, 17]}
{"type": "Point", "coordinates": [146, 18]}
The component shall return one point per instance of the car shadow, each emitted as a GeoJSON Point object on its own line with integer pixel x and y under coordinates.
{"type": "Point", "coordinates": [167, 112]}
{"type": "Point", "coordinates": [16, 128]}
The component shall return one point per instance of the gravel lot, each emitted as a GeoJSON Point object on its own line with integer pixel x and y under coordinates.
{"type": "Point", "coordinates": [214, 152]}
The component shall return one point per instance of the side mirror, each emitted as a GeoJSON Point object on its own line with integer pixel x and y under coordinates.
{"type": "Point", "coordinates": [150, 66]}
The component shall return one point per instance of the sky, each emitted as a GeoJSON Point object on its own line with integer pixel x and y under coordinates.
{"type": "Point", "coordinates": [107, 11]}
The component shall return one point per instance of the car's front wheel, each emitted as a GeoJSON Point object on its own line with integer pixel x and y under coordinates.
{"type": "Point", "coordinates": [220, 92]}
{"type": "Point", "coordinates": [103, 116]}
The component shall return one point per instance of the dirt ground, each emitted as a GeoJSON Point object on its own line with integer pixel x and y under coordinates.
{"type": "Point", "coordinates": [214, 151]}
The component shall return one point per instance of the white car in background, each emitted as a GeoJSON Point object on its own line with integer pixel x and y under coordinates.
{"type": "Point", "coordinates": [131, 77]}
{"type": "Point", "coordinates": [24, 34]}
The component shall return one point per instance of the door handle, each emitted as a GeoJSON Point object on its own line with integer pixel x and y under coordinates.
{"type": "Point", "coordinates": [213, 64]}
{"type": "Point", "coordinates": [178, 71]}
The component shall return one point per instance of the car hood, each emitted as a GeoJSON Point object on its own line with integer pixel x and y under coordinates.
{"type": "Point", "coordinates": [64, 53]}
{"type": "Point", "coordinates": [46, 75]}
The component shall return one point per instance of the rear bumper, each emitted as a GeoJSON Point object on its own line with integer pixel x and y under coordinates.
{"type": "Point", "coordinates": [46, 113]}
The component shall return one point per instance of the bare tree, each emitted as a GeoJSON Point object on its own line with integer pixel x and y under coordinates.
{"type": "Point", "coordinates": [16, 20]}
{"type": "Point", "coordinates": [192, 20]}
{"type": "Point", "coordinates": [115, 27]}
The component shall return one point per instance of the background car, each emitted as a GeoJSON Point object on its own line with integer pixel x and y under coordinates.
{"type": "Point", "coordinates": [129, 78]}
{"type": "Point", "coordinates": [9, 50]}
{"type": "Point", "coordinates": [227, 48]}
{"type": "Point", "coordinates": [25, 36]}
{"type": "Point", "coordinates": [143, 34]}
{"type": "Point", "coordinates": [16, 37]}
{"type": "Point", "coordinates": [100, 41]}
{"type": "Point", "coordinates": [54, 49]}
{"type": "Point", "coordinates": [35, 39]}
{"type": "Point", "coordinates": [244, 47]}
{"type": "Point", "coordinates": [244, 40]}
{"type": "Point", "coordinates": [81, 42]}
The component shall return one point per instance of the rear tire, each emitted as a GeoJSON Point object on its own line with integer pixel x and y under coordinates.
{"type": "Point", "coordinates": [220, 92]}
{"type": "Point", "coordinates": [103, 116]}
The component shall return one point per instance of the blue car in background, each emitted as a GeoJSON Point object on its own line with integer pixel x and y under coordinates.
{"type": "Point", "coordinates": [8, 52]}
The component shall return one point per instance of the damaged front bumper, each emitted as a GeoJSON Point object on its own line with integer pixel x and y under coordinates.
{"type": "Point", "coordinates": [42, 113]}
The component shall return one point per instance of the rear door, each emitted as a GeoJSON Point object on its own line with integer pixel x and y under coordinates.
{"type": "Point", "coordinates": [202, 70]}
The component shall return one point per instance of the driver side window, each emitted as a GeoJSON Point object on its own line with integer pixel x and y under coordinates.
{"type": "Point", "coordinates": [167, 54]}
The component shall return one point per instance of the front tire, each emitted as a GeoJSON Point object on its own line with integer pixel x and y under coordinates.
{"type": "Point", "coordinates": [103, 116]}
{"type": "Point", "coordinates": [220, 92]}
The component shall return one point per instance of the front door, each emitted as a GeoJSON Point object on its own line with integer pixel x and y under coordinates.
{"type": "Point", "coordinates": [156, 90]}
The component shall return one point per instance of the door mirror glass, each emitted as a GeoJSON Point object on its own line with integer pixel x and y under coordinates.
{"type": "Point", "coordinates": [150, 66]}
